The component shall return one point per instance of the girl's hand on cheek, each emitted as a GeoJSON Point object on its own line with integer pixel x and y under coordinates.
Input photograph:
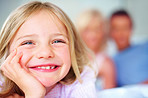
{"type": "Point", "coordinates": [28, 84]}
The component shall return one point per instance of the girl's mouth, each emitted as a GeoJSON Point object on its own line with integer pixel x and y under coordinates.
{"type": "Point", "coordinates": [45, 67]}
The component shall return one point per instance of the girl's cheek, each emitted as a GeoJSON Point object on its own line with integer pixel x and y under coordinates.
{"type": "Point", "coordinates": [24, 59]}
{"type": "Point", "coordinates": [27, 55]}
{"type": "Point", "coordinates": [66, 57]}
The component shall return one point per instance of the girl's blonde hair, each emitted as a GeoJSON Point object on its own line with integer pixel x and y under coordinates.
{"type": "Point", "coordinates": [78, 50]}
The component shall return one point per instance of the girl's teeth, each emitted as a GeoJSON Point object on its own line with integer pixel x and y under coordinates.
{"type": "Point", "coordinates": [48, 67]}
{"type": "Point", "coordinates": [52, 67]}
{"type": "Point", "coordinates": [43, 67]}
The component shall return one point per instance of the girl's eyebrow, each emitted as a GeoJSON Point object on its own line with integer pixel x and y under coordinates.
{"type": "Point", "coordinates": [33, 35]}
{"type": "Point", "coordinates": [60, 34]}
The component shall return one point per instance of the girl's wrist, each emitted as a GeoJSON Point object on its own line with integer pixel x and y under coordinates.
{"type": "Point", "coordinates": [35, 95]}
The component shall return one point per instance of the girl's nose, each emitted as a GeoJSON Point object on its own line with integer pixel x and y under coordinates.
{"type": "Point", "coordinates": [45, 52]}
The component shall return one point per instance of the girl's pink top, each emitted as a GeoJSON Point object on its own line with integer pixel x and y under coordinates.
{"type": "Point", "coordinates": [76, 90]}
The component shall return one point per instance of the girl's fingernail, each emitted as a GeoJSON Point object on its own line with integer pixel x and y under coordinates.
{"type": "Point", "coordinates": [14, 50]}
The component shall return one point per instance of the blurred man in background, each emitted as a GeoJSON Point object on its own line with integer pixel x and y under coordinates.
{"type": "Point", "coordinates": [131, 61]}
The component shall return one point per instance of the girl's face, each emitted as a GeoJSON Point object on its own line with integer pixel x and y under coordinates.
{"type": "Point", "coordinates": [43, 41]}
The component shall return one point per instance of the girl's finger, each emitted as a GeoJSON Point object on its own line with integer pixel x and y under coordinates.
{"type": "Point", "coordinates": [9, 58]}
{"type": "Point", "coordinates": [7, 72]}
{"type": "Point", "coordinates": [7, 75]}
{"type": "Point", "coordinates": [16, 58]}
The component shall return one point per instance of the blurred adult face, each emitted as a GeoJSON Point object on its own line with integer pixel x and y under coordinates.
{"type": "Point", "coordinates": [93, 35]}
{"type": "Point", "coordinates": [121, 31]}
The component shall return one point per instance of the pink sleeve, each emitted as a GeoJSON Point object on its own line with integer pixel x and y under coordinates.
{"type": "Point", "coordinates": [87, 88]}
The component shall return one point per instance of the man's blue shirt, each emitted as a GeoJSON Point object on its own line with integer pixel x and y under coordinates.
{"type": "Point", "coordinates": [132, 65]}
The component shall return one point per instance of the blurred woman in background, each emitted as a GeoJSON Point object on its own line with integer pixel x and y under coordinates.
{"type": "Point", "coordinates": [91, 27]}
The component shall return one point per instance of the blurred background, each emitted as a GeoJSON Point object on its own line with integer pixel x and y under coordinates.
{"type": "Point", "coordinates": [136, 8]}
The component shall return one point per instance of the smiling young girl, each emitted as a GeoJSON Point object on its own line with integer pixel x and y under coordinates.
{"type": "Point", "coordinates": [42, 55]}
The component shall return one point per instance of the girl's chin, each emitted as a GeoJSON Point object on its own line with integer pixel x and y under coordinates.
{"type": "Point", "coordinates": [49, 87]}
{"type": "Point", "coordinates": [47, 83]}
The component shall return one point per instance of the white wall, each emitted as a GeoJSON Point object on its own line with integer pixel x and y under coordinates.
{"type": "Point", "coordinates": [71, 7]}
{"type": "Point", "coordinates": [74, 7]}
{"type": "Point", "coordinates": [6, 6]}
{"type": "Point", "coordinates": [139, 12]}
{"type": "Point", "coordinates": [137, 8]}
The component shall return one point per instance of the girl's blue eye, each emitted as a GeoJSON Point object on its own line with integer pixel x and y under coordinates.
{"type": "Point", "coordinates": [27, 43]}
{"type": "Point", "coordinates": [59, 41]}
